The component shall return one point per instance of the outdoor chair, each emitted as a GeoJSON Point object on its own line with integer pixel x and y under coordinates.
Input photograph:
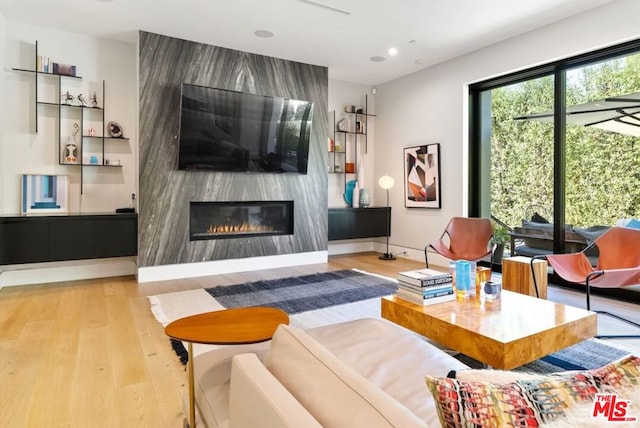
{"type": "Point", "coordinates": [464, 239]}
{"type": "Point", "coordinates": [618, 266]}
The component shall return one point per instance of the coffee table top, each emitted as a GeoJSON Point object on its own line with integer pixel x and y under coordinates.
{"type": "Point", "coordinates": [504, 333]}
{"type": "Point", "coordinates": [229, 326]}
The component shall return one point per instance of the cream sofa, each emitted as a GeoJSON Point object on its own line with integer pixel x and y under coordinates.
{"type": "Point", "coordinates": [362, 373]}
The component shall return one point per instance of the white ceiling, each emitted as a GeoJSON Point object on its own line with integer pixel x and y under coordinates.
{"type": "Point", "coordinates": [307, 32]}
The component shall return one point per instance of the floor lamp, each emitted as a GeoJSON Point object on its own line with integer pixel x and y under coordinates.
{"type": "Point", "coordinates": [387, 182]}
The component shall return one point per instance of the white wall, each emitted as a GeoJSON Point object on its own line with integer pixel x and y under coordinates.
{"type": "Point", "coordinates": [105, 189]}
{"type": "Point", "coordinates": [431, 107]}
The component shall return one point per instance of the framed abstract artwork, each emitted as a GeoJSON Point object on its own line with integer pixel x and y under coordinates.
{"type": "Point", "coordinates": [422, 176]}
{"type": "Point", "coordinates": [44, 194]}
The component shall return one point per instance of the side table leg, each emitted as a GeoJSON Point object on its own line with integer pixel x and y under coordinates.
{"type": "Point", "coordinates": [192, 396]}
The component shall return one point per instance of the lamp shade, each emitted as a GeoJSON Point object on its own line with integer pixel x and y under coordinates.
{"type": "Point", "coordinates": [386, 182]}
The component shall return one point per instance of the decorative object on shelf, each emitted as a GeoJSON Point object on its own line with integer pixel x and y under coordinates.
{"type": "Point", "coordinates": [93, 160]}
{"type": "Point", "coordinates": [365, 200]}
{"type": "Point", "coordinates": [350, 109]}
{"type": "Point", "coordinates": [107, 162]}
{"type": "Point", "coordinates": [94, 99]}
{"type": "Point", "coordinates": [76, 131]}
{"type": "Point", "coordinates": [64, 69]}
{"type": "Point", "coordinates": [91, 132]}
{"type": "Point", "coordinates": [114, 129]}
{"type": "Point", "coordinates": [71, 152]}
{"type": "Point", "coordinates": [44, 193]}
{"type": "Point", "coordinates": [349, 167]}
{"type": "Point", "coordinates": [348, 192]}
{"type": "Point", "coordinates": [81, 100]}
{"type": "Point", "coordinates": [337, 168]}
{"type": "Point", "coordinates": [67, 99]}
{"type": "Point", "coordinates": [356, 196]}
{"type": "Point", "coordinates": [338, 147]}
{"type": "Point", "coordinates": [422, 175]}
{"type": "Point", "coordinates": [343, 125]}
{"type": "Point", "coordinates": [331, 144]}
{"type": "Point", "coordinates": [387, 182]}
{"type": "Point", "coordinates": [359, 111]}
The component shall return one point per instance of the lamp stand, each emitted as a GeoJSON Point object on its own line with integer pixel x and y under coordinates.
{"type": "Point", "coordinates": [387, 255]}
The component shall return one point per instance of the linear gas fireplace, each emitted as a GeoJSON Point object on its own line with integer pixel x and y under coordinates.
{"type": "Point", "coordinates": [223, 220]}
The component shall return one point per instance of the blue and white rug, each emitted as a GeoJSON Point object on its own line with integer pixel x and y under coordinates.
{"type": "Point", "coordinates": [333, 297]}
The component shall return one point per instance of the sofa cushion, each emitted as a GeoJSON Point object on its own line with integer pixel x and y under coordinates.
{"type": "Point", "coordinates": [212, 372]}
{"type": "Point", "coordinates": [257, 399]}
{"type": "Point", "coordinates": [529, 401]}
{"type": "Point", "coordinates": [392, 357]}
{"type": "Point", "coordinates": [333, 393]}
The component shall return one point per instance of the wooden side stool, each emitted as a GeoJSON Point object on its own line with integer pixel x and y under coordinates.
{"type": "Point", "coordinates": [516, 276]}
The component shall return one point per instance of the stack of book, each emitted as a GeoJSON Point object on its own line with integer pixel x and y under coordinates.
{"type": "Point", "coordinates": [425, 286]}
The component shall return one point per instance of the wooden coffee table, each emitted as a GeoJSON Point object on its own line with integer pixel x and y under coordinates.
{"type": "Point", "coordinates": [503, 334]}
{"type": "Point", "coordinates": [226, 327]}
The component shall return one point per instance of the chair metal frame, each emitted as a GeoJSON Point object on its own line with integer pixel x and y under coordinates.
{"type": "Point", "coordinates": [597, 272]}
{"type": "Point", "coordinates": [490, 248]}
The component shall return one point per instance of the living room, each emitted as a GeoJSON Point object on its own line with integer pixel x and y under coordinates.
{"type": "Point", "coordinates": [424, 107]}
{"type": "Point", "coordinates": [428, 106]}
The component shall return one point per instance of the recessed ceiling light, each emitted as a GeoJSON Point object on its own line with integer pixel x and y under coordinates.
{"type": "Point", "coordinates": [377, 58]}
{"type": "Point", "coordinates": [418, 61]}
{"type": "Point", "coordinates": [263, 33]}
{"type": "Point", "coordinates": [412, 42]}
{"type": "Point", "coordinates": [392, 51]}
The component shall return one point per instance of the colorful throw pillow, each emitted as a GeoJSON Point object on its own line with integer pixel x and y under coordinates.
{"type": "Point", "coordinates": [528, 401]}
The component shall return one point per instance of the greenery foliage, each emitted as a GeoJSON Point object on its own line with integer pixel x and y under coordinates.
{"type": "Point", "coordinates": [603, 168]}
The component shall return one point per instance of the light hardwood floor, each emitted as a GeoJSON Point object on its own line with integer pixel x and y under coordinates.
{"type": "Point", "coordinates": [90, 353]}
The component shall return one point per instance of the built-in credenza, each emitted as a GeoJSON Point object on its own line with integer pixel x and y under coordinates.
{"type": "Point", "coordinates": [43, 238]}
{"type": "Point", "coordinates": [353, 223]}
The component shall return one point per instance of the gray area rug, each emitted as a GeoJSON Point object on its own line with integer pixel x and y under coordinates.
{"type": "Point", "coordinates": [586, 355]}
{"type": "Point", "coordinates": [305, 293]}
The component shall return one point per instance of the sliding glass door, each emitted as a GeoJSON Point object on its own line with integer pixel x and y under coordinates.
{"type": "Point", "coordinates": [556, 144]}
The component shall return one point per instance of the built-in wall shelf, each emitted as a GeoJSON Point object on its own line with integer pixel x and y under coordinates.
{"type": "Point", "coordinates": [87, 146]}
{"type": "Point", "coordinates": [354, 223]}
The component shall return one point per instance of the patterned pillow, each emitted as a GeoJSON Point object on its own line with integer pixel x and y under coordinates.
{"type": "Point", "coordinates": [526, 402]}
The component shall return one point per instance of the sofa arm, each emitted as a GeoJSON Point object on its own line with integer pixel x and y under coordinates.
{"type": "Point", "coordinates": [257, 398]}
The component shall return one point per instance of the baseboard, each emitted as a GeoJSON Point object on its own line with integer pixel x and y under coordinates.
{"type": "Point", "coordinates": [219, 267]}
{"type": "Point", "coordinates": [42, 273]}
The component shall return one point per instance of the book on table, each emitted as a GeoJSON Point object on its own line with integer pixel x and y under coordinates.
{"type": "Point", "coordinates": [433, 291]}
{"type": "Point", "coordinates": [419, 289]}
{"type": "Point", "coordinates": [419, 300]}
{"type": "Point", "coordinates": [424, 277]}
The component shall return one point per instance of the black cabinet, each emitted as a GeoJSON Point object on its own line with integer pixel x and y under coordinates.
{"type": "Point", "coordinates": [33, 239]}
{"type": "Point", "coordinates": [352, 223]}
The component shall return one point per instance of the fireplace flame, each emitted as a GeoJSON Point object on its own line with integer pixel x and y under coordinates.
{"type": "Point", "coordinates": [239, 228]}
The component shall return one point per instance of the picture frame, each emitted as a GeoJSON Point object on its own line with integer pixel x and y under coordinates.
{"type": "Point", "coordinates": [422, 182]}
{"type": "Point", "coordinates": [45, 194]}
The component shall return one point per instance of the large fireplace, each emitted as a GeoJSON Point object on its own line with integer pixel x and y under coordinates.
{"type": "Point", "coordinates": [242, 219]}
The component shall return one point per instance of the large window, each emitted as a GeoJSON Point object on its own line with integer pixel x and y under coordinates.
{"type": "Point", "coordinates": [558, 142]}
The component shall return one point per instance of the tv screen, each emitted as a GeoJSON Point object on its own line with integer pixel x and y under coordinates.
{"type": "Point", "coordinates": [222, 130]}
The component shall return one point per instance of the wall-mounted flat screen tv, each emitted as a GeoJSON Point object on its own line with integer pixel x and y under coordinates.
{"type": "Point", "coordinates": [223, 130]}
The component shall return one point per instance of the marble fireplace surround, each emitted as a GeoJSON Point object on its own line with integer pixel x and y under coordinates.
{"type": "Point", "coordinates": [165, 250]}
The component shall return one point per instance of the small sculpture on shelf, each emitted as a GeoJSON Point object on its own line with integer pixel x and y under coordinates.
{"type": "Point", "coordinates": [67, 98]}
{"type": "Point", "coordinates": [94, 100]}
{"type": "Point", "coordinates": [81, 100]}
{"type": "Point", "coordinates": [114, 129]}
{"type": "Point", "coordinates": [71, 152]}
{"type": "Point", "coordinates": [343, 125]}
